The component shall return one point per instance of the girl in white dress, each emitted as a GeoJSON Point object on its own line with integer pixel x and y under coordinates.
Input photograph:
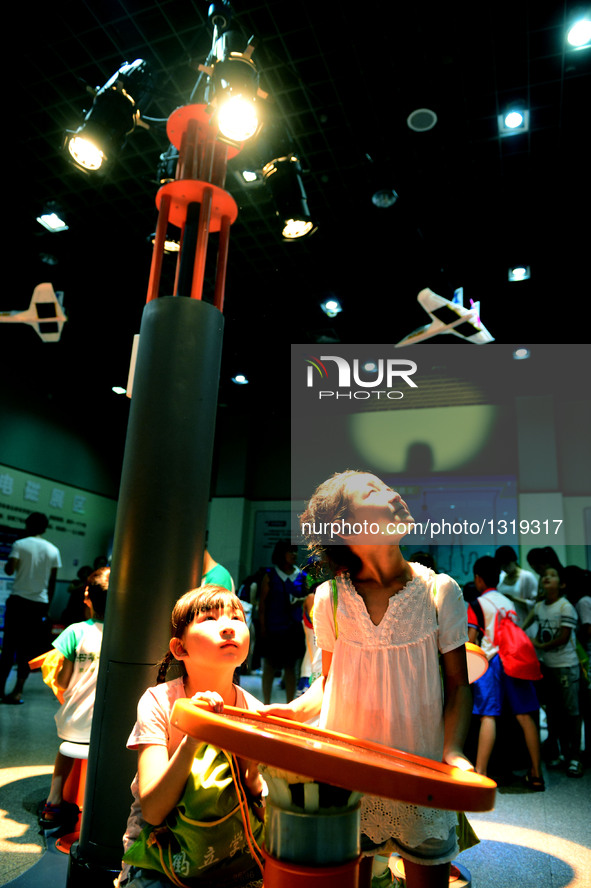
{"type": "Point", "coordinates": [381, 676]}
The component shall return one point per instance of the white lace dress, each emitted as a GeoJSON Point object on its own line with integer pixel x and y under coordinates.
{"type": "Point", "coordinates": [384, 684]}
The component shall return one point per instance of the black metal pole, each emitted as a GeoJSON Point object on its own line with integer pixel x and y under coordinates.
{"type": "Point", "coordinates": [159, 541]}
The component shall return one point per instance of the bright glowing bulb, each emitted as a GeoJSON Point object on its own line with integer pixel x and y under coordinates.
{"type": "Point", "coordinates": [296, 228]}
{"type": "Point", "coordinates": [237, 119]}
{"type": "Point", "coordinates": [513, 119]}
{"type": "Point", "coordinates": [331, 307]}
{"type": "Point", "coordinates": [52, 222]}
{"type": "Point", "coordinates": [520, 354]}
{"type": "Point", "coordinates": [249, 175]}
{"type": "Point", "coordinates": [86, 153]}
{"type": "Point", "coordinates": [580, 33]}
{"type": "Point", "coordinates": [240, 379]}
{"type": "Point", "coordinates": [519, 273]}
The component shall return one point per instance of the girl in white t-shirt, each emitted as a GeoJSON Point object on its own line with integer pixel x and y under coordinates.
{"type": "Point", "coordinates": [380, 656]}
{"type": "Point", "coordinates": [210, 639]}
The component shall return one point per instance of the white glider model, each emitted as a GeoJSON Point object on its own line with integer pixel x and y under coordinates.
{"type": "Point", "coordinates": [449, 316]}
{"type": "Point", "coordinates": [44, 314]}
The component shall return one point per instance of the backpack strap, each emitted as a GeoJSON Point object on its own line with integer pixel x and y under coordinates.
{"type": "Point", "coordinates": [477, 609]}
{"type": "Point", "coordinates": [500, 615]}
{"type": "Point", "coordinates": [335, 602]}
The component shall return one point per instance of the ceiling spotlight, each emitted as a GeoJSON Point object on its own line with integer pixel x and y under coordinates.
{"type": "Point", "coordinates": [167, 165]}
{"type": "Point", "coordinates": [233, 88]}
{"type": "Point", "coordinates": [331, 307]}
{"type": "Point", "coordinates": [237, 118]}
{"type": "Point", "coordinates": [113, 116]}
{"type": "Point", "coordinates": [118, 389]}
{"type": "Point", "coordinates": [519, 273]}
{"type": "Point", "coordinates": [240, 379]}
{"type": "Point", "coordinates": [284, 177]}
{"type": "Point", "coordinates": [171, 244]}
{"type": "Point", "coordinates": [520, 354]}
{"type": "Point", "coordinates": [514, 120]}
{"type": "Point", "coordinates": [296, 228]}
{"type": "Point", "coordinates": [580, 34]}
{"type": "Point", "coordinates": [85, 153]}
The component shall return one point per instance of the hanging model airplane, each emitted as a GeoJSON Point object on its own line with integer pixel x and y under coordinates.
{"type": "Point", "coordinates": [44, 314]}
{"type": "Point", "coordinates": [449, 316]}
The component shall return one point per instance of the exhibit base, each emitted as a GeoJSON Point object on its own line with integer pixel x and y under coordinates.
{"type": "Point", "coordinates": [83, 873]}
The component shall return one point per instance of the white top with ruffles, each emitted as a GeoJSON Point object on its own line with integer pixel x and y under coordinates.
{"type": "Point", "coordinates": [385, 686]}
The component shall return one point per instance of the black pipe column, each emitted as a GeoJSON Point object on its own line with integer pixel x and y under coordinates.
{"type": "Point", "coordinates": [157, 555]}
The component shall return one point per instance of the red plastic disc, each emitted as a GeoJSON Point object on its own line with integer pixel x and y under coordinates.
{"type": "Point", "coordinates": [337, 759]}
{"type": "Point", "coordinates": [185, 191]}
{"type": "Point", "coordinates": [206, 126]}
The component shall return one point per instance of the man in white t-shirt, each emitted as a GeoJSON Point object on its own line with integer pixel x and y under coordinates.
{"type": "Point", "coordinates": [34, 562]}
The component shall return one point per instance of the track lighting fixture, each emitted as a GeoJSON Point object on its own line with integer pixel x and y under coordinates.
{"type": "Point", "coordinates": [284, 177]}
{"type": "Point", "coordinates": [113, 116]}
{"type": "Point", "coordinates": [233, 92]}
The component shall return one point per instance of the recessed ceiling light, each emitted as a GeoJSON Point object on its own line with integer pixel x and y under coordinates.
{"type": "Point", "coordinates": [580, 34]}
{"type": "Point", "coordinates": [519, 273]}
{"type": "Point", "coordinates": [520, 354]}
{"type": "Point", "coordinates": [240, 379]}
{"type": "Point", "coordinates": [52, 222]}
{"type": "Point", "coordinates": [370, 366]}
{"type": "Point", "coordinates": [513, 121]}
{"type": "Point", "coordinates": [118, 389]}
{"type": "Point", "coordinates": [331, 307]}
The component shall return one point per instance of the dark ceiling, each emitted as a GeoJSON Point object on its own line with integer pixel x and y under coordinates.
{"type": "Point", "coordinates": [344, 82]}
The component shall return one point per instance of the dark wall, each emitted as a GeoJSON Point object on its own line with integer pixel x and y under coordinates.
{"type": "Point", "coordinates": [83, 449]}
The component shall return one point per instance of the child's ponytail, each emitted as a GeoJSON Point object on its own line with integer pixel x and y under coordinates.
{"type": "Point", "coordinates": [163, 666]}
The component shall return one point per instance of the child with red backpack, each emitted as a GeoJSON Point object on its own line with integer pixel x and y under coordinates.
{"type": "Point", "coordinates": [496, 686]}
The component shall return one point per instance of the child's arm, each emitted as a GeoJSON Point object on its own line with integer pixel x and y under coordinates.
{"type": "Point", "coordinates": [64, 673]}
{"type": "Point", "coordinates": [162, 780]}
{"type": "Point", "coordinates": [529, 620]}
{"type": "Point", "coordinates": [558, 641]}
{"type": "Point", "coordinates": [308, 705]}
{"type": "Point", "coordinates": [457, 711]}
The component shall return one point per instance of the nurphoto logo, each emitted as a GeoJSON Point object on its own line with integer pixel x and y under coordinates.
{"type": "Point", "coordinates": [343, 375]}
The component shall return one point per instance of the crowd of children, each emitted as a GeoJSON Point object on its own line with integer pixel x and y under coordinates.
{"type": "Point", "coordinates": [386, 630]}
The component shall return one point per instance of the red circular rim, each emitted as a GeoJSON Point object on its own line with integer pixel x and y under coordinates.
{"type": "Point", "coordinates": [338, 759]}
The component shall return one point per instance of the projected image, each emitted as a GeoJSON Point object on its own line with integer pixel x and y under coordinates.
{"type": "Point", "coordinates": [478, 442]}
